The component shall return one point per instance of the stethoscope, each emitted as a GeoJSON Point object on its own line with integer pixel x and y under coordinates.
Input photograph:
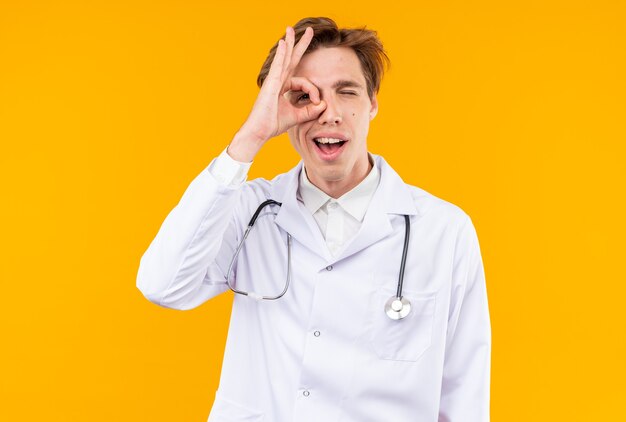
{"type": "Point", "coordinates": [396, 308]}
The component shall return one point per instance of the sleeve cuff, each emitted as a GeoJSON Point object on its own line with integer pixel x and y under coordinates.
{"type": "Point", "coordinates": [228, 171]}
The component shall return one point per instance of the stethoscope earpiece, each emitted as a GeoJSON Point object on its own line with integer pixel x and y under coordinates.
{"type": "Point", "coordinates": [397, 308]}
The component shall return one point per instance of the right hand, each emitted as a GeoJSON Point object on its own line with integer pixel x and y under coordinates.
{"type": "Point", "coordinates": [273, 113]}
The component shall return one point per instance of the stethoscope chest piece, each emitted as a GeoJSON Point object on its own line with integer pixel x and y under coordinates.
{"type": "Point", "coordinates": [397, 308]}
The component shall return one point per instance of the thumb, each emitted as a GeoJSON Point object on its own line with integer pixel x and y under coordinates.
{"type": "Point", "coordinates": [311, 111]}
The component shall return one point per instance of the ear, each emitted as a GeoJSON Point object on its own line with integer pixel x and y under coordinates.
{"type": "Point", "coordinates": [374, 107]}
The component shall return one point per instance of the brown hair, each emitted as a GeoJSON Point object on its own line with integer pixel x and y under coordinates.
{"type": "Point", "coordinates": [364, 42]}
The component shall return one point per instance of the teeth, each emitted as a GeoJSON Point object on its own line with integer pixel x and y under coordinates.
{"type": "Point", "coordinates": [328, 140]}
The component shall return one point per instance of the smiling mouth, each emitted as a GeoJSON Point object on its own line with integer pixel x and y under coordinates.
{"type": "Point", "coordinates": [329, 145]}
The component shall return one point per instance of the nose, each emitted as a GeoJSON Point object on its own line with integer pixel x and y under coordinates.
{"type": "Point", "coordinates": [331, 114]}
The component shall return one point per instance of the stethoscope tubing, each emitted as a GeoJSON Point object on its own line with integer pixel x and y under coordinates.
{"type": "Point", "coordinates": [240, 246]}
{"type": "Point", "coordinates": [407, 232]}
{"type": "Point", "coordinates": [396, 307]}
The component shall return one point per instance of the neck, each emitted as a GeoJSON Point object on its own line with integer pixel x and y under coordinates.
{"type": "Point", "coordinates": [336, 188]}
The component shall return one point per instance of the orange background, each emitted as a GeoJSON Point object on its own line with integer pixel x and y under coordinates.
{"type": "Point", "coordinates": [513, 110]}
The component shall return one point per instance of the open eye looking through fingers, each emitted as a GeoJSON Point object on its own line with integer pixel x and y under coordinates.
{"type": "Point", "coordinates": [299, 97]}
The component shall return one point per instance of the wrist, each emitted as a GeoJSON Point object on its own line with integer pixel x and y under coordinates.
{"type": "Point", "coordinates": [243, 147]}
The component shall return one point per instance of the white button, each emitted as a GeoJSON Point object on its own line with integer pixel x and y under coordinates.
{"type": "Point", "coordinates": [317, 333]}
{"type": "Point", "coordinates": [332, 205]}
{"type": "Point", "coordinates": [306, 393]}
{"type": "Point", "coordinates": [329, 268]}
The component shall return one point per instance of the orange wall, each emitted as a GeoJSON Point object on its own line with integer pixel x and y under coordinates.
{"type": "Point", "coordinates": [514, 111]}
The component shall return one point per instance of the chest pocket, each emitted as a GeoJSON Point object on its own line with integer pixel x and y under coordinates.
{"type": "Point", "coordinates": [406, 339]}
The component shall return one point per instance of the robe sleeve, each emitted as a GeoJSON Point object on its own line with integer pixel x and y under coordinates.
{"type": "Point", "coordinates": [187, 262]}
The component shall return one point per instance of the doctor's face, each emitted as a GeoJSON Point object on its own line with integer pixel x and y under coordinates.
{"type": "Point", "coordinates": [333, 146]}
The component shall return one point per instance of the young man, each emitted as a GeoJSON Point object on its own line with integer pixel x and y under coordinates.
{"type": "Point", "coordinates": [361, 298]}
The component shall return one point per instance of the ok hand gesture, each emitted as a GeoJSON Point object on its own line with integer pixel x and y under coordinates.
{"type": "Point", "coordinates": [273, 112]}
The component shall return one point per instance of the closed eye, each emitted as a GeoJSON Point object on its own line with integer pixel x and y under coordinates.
{"type": "Point", "coordinates": [348, 92]}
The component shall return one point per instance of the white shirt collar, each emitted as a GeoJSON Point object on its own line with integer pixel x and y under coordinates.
{"type": "Point", "coordinates": [354, 202]}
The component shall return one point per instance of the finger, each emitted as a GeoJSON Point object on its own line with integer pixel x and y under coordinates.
{"type": "Point", "coordinates": [277, 64]}
{"type": "Point", "coordinates": [303, 84]}
{"type": "Point", "coordinates": [301, 47]}
{"type": "Point", "coordinates": [310, 112]}
{"type": "Point", "coordinates": [289, 40]}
